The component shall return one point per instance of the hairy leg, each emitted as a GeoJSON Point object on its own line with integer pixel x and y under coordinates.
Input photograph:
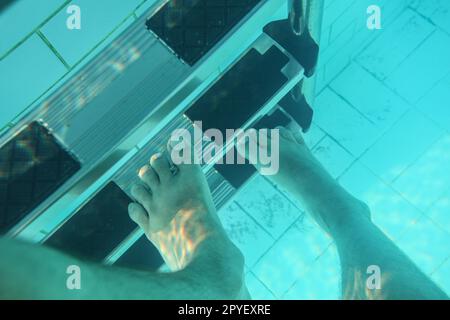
{"type": "Point", "coordinates": [176, 212]}
{"type": "Point", "coordinates": [359, 242]}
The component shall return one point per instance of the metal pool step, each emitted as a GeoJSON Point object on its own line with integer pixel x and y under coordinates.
{"type": "Point", "coordinates": [129, 91]}
{"type": "Point", "coordinates": [120, 109]}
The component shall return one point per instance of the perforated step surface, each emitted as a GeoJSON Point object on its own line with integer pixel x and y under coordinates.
{"type": "Point", "coordinates": [32, 166]}
{"type": "Point", "coordinates": [192, 27]}
{"type": "Point", "coordinates": [98, 227]}
{"type": "Point", "coordinates": [241, 92]}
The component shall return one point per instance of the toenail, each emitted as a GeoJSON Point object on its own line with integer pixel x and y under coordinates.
{"type": "Point", "coordinates": [155, 156]}
{"type": "Point", "coordinates": [135, 190]}
{"type": "Point", "coordinates": [282, 131]}
{"type": "Point", "coordinates": [143, 171]}
{"type": "Point", "coordinates": [131, 207]}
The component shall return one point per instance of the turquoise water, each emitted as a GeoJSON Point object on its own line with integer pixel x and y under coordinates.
{"type": "Point", "coordinates": [381, 127]}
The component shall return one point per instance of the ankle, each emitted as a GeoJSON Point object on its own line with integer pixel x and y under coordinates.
{"type": "Point", "coordinates": [350, 215]}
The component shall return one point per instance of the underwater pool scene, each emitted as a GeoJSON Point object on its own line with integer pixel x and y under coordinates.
{"type": "Point", "coordinates": [91, 89]}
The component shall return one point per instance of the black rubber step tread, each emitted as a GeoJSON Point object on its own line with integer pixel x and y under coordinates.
{"type": "Point", "coordinates": [98, 227]}
{"type": "Point", "coordinates": [192, 27]}
{"type": "Point", "coordinates": [241, 92]}
{"type": "Point", "coordinates": [33, 165]}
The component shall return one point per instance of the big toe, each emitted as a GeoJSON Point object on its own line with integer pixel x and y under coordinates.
{"type": "Point", "coordinates": [285, 133]}
{"type": "Point", "coordinates": [160, 163]}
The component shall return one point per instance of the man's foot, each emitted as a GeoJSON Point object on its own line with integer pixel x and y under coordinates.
{"type": "Point", "coordinates": [174, 208]}
{"type": "Point", "coordinates": [304, 177]}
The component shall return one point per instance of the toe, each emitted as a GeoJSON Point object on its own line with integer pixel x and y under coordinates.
{"type": "Point", "coordinates": [138, 215]}
{"type": "Point", "coordinates": [183, 153]}
{"type": "Point", "coordinates": [286, 133]}
{"type": "Point", "coordinates": [160, 163]}
{"type": "Point", "coordinates": [142, 196]}
{"type": "Point", "coordinates": [299, 137]}
{"type": "Point", "coordinates": [149, 177]}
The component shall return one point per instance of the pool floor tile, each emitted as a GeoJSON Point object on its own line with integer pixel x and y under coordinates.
{"type": "Point", "coordinates": [435, 10]}
{"type": "Point", "coordinates": [313, 136]}
{"type": "Point", "coordinates": [425, 244]}
{"type": "Point", "coordinates": [291, 256]}
{"type": "Point", "coordinates": [273, 211]}
{"type": "Point", "coordinates": [440, 211]}
{"type": "Point", "coordinates": [245, 233]}
{"type": "Point", "coordinates": [389, 211]}
{"type": "Point", "coordinates": [440, 276]}
{"type": "Point", "coordinates": [435, 103]}
{"type": "Point", "coordinates": [395, 43]}
{"type": "Point", "coordinates": [22, 18]}
{"type": "Point", "coordinates": [98, 19]}
{"type": "Point", "coordinates": [368, 95]}
{"type": "Point", "coordinates": [332, 156]}
{"type": "Point", "coordinates": [345, 124]}
{"type": "Point", "coordinates": [428, 178]}
{"type": "Point", "coordinates": [257, 290]}
{"type": "Point", "coordinates": [401, 146]}
{"type": "Point", "coordinates": [321, 282]}
{"type": "Point", "coordinates": [428, 64]}
{"type": "Point", "coordinates": [25, 74]}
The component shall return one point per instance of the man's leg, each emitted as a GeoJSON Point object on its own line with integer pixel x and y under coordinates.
{"type": "Point", "coordinates": [359, 242]}
{"type": "Point", "coordinates": [177, 213]}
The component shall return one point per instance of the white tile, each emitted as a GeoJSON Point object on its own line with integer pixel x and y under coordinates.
{"type": "Point", "coordinates": [257, 290]}
{"type": "Point", "coordinates": [22, 18]}
{"type": "Point", "coordinates": [409, 138]}
{"type": "Point", "coordinates": [440, 211]}
{"type": "Point", "coordinates": [332, 156]}
{"type": "Point", "coordinates": [425, 244]}
{"type": "Point", "coordinates": [395, 43]}
{"type": "Point", "coordinates": [435, 10]}
{"type": "Point", "coordinates": [429, 177]}
{"type": "Point", "coordinates": [389, 211]}
{"type": "Point", "coordinates": [98, 19]}
{"type": "Point", "coordinates": [321, 282]}
{"type": "Point", "coordinates": [313, 136]}
{"type": "Point", "coordinates": [25, 75]}
{"type": "Point", "coordinates": [441, 277]}
{"type": "Point", "coordinates": [250, 238]}
{"type": "Point", "coordinates": [423, 68]}
{"type": "Point", "coordinates": [273, 211]}
{"type": "Point", "coordinates": [334, 11]}
{"type": "Point", "coordinates": [435, 104]}
{"type": "Point", "coordinates": [291, 256]}
{"type": "Point", "coordinates": [367, 94]}
{"type": "Point", "coordinates": [343, 123]}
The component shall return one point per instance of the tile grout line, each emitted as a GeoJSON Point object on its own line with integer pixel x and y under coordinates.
{"type": "Point", "coordinates": [410, 105]}
{"type": "Point", "coordinates": [29, 108]}
{"type": "Point", "coordinates": [316, 259]}
{"type": "Point", "coordinates": [253, 219]}
{"type": "Point", "coordinates": [53, 49]}
{"type": "Point", "coordinates": [358, 158]}
{"type": "Point", "coordinates": [350, 104]}
{"type": "Point", "coordinates": [429, 20]}
{"type": "Point", "coordinates": [38, 27]}
{"type": "Point", "coordinates": [263, 284]}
